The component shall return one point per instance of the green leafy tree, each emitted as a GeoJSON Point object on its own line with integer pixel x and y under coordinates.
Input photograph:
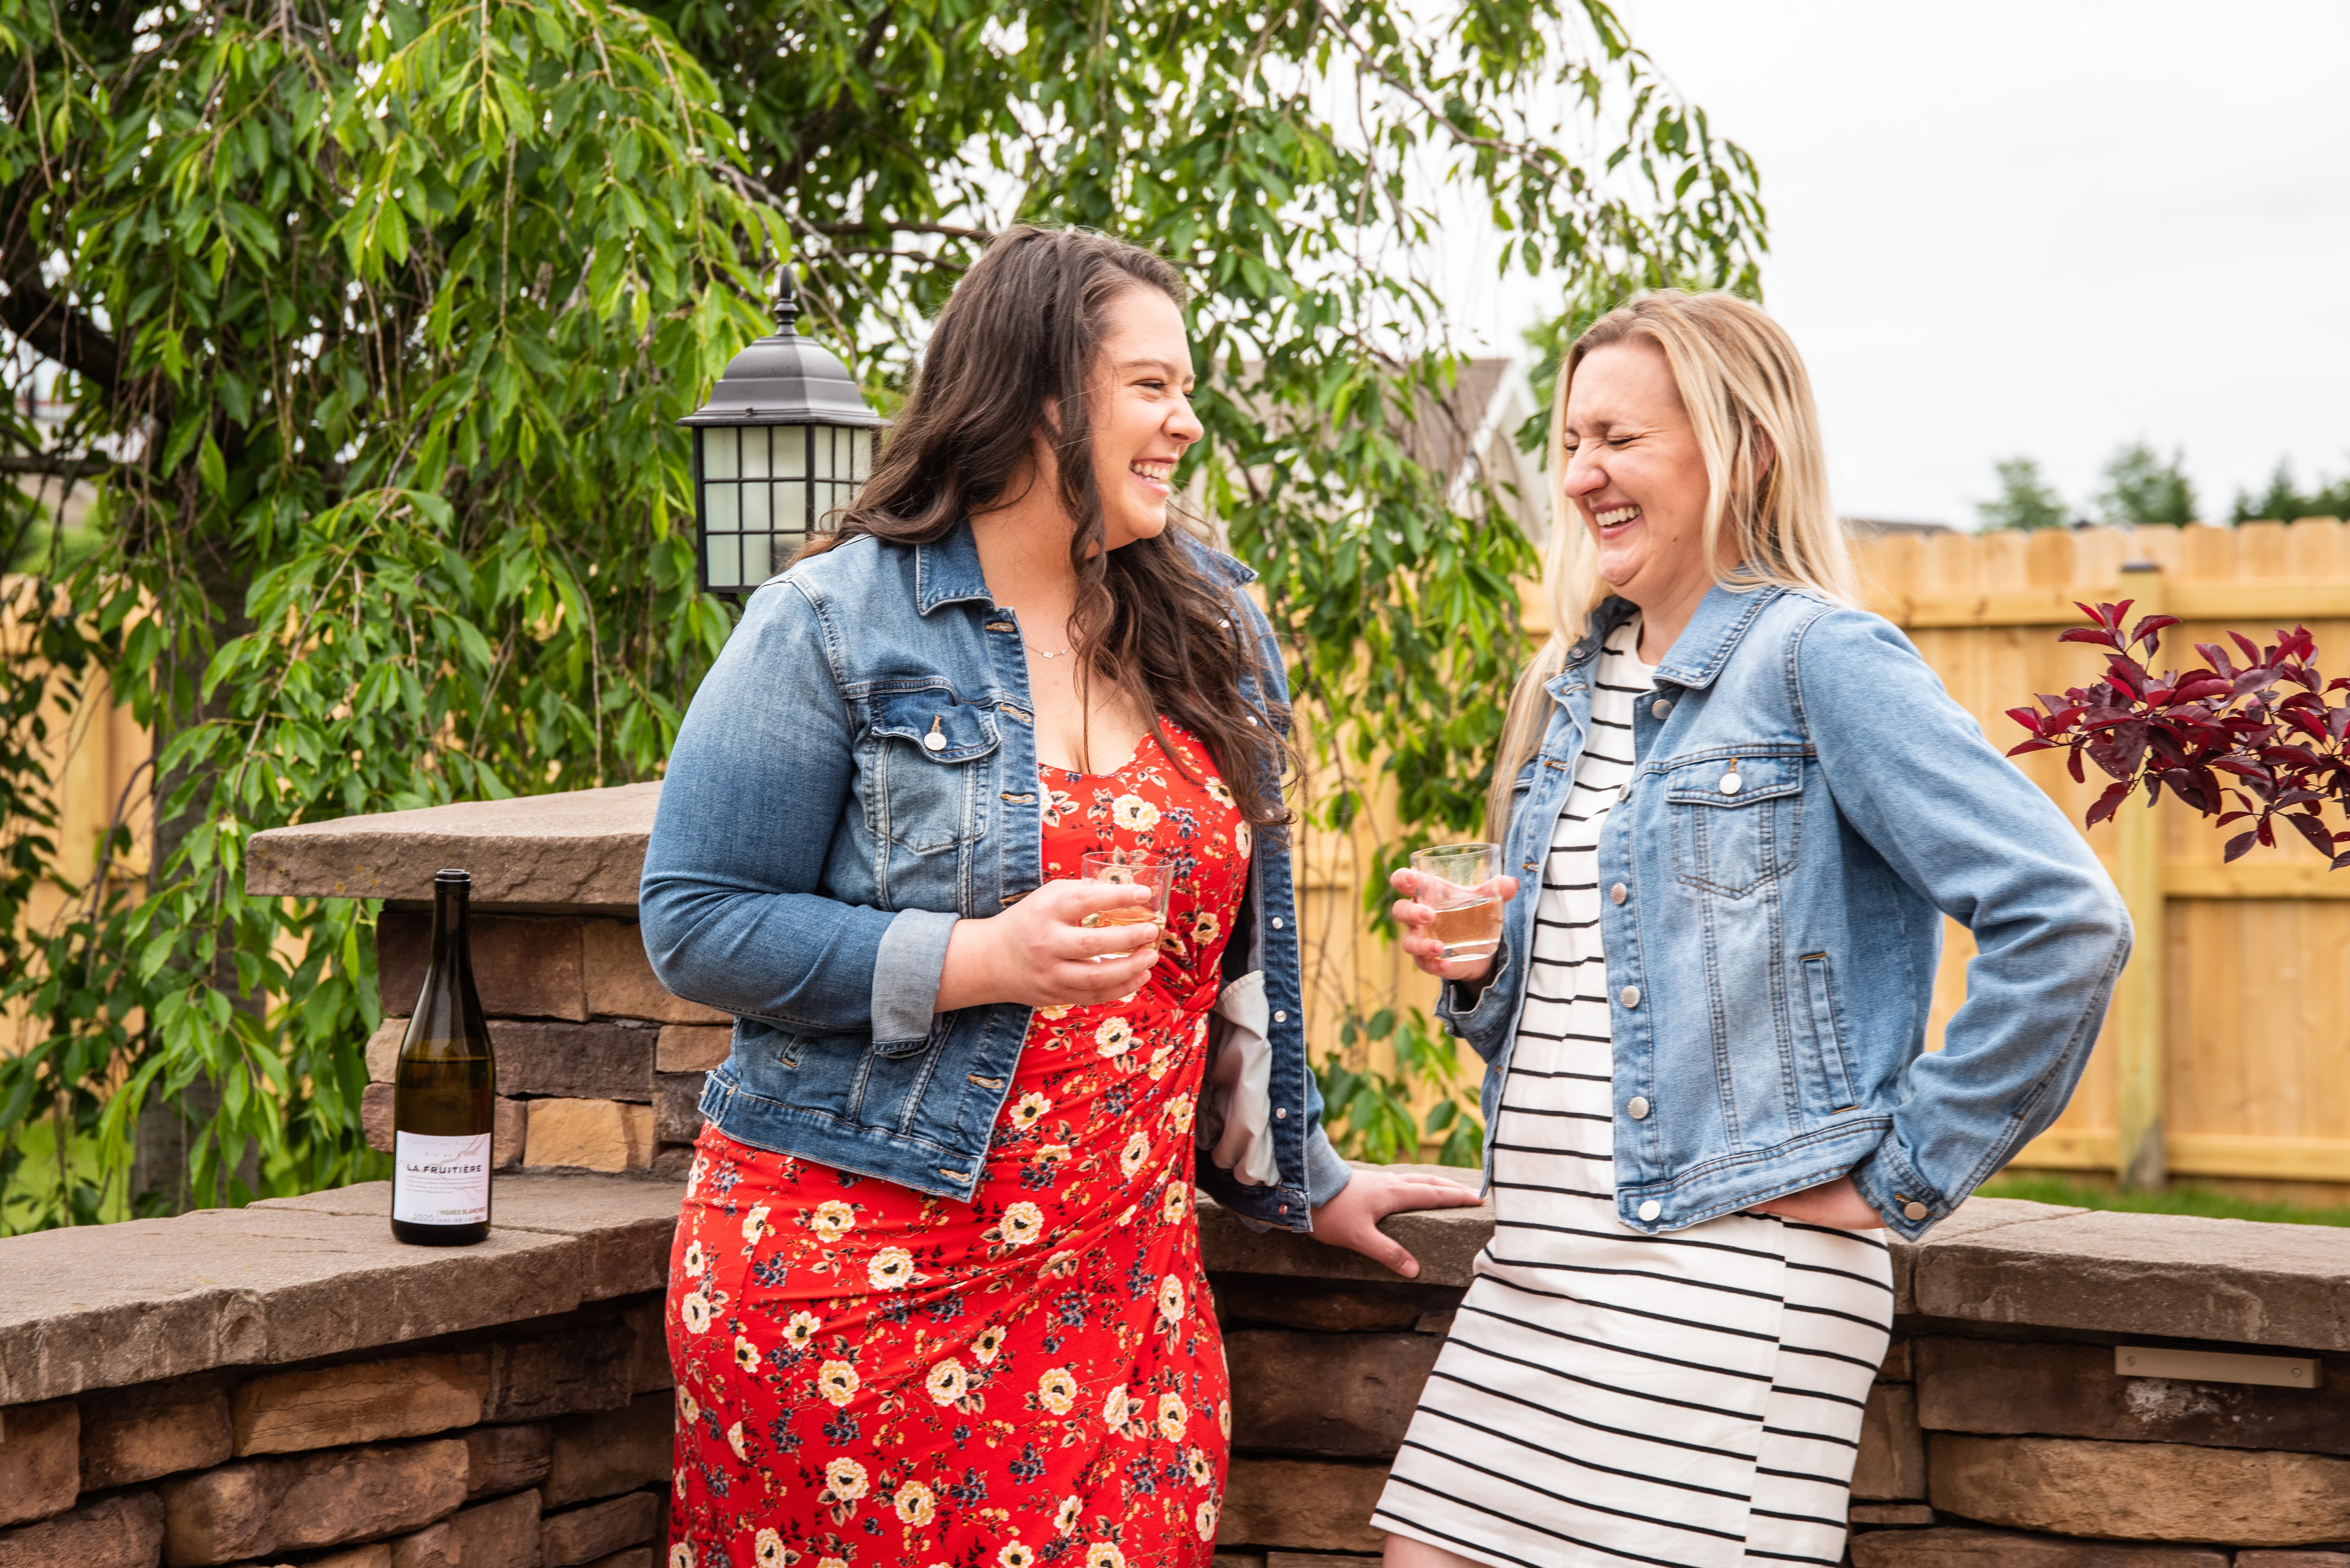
{"type": "Point", "coordinates": [2285, 502]}
{"type": "Point", "coordinates": [375, 318]}
{"type": "Point", "coordinates": [2142, 487]}
{"type": "Point", "coordinates": [2025, 499]}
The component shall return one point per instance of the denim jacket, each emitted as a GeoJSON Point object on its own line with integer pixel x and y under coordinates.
{"type": "Point", "coordinates": [859, 772]}
{"type": "Point", "coordinates": [1808, 803]}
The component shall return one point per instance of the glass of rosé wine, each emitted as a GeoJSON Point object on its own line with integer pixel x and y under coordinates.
{"type": "Point", "coordinates": [1457, 881]}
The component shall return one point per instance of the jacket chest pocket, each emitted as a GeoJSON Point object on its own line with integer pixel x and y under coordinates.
{"type": "Point", "coordinates": [929, 757]}
{"type": "Point", "coordinates": [1737, 822]}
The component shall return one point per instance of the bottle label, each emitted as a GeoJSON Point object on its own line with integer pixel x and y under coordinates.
{"type": "Point", "coordinates": [440, 1180]}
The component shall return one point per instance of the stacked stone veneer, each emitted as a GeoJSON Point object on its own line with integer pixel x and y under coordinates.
{"type": "Point", "coordinates": [599, 1068]}
{"type": "Point", "coordinates": [286, 1384]}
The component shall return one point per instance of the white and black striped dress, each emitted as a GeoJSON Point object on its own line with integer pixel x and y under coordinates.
{"type": "Point", "coordinates": [1692, 1399]}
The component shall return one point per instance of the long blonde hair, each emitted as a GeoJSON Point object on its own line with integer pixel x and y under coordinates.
{"type": "Point", "coordinates": [1747, 394]}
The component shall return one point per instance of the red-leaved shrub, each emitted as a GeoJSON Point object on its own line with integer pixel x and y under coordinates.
{"type": "Point", "coordinates": [2265, 725]}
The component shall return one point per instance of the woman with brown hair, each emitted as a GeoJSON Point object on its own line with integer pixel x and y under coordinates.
{"type": "Point", "coordinates": [937, 1293]}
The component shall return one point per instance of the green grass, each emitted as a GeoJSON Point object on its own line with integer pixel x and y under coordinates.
{"type": "Point", "coordinates": [2185, 1198]}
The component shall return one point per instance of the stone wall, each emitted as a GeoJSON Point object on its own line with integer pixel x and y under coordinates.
{"type": "Point", "coordinates": [599, 1067]}
{"type": "Point", "coordinates": [286, 1384]}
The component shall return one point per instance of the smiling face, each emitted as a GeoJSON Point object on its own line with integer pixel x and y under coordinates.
{"type": "Point", "coordinates": [1142, 412]}
{"type": "Point", "coordinates": [1630, 463]}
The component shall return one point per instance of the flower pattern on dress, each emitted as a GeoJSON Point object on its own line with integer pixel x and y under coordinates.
{"type": "Point", "coordinates": [869, 1377]}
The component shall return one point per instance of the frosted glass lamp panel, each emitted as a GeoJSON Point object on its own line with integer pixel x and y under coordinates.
{"type": "Point", "coordinates": [791, 451]}
{"type": "Point", "coordinates": [754, 509]}
{"type": "Point", "coordinates": [720, 449]}
{"type": "Point", "coordinates": [757, 554]}
{"type": "Point", "coordinates": [754, 452]}
{"type": "Point", "coordinates": [725, 561]}
{"type": "Point", "coordinates": [791, 509]}
{"type": "Point", "coordinates": [722, 507]}
{"type": "Point", "coordinates": [861, 454]}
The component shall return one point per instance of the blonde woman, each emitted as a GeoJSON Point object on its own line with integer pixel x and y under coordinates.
{"type": "Point", "coordinates": [1739, 808]}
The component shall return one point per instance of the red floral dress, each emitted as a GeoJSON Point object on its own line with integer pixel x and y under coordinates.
{"type": "Point", "coordinates": [869, 1377]}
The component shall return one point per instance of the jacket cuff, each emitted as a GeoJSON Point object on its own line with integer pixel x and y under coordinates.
{"type": "Point", "coordinates": [1470, 1015]}
{"type": "Point", "coordinates": [907, 967]}
{"type": "Point", "coordinates": [1910, 1205]}
{"type": "Point", "coordinates": [1327, 1171]}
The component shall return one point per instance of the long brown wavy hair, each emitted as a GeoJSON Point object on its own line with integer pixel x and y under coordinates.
{"type": "Point", "coordinates": [1022, 332]}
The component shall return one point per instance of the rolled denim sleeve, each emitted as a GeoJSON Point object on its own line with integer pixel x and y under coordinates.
{"type": "Point", "coordinates": [757, 788]}
{"type": "Point", "coordinates": [1912, 774]}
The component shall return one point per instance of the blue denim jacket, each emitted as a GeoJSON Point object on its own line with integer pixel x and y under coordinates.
{"type": "Point", "coordinates": [1772, 943]}
{"type": "Point", "coordinates": [813, 849]}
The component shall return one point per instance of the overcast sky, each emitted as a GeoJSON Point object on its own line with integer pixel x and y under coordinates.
{"type": "Point", "coordinates": [2035, 227]}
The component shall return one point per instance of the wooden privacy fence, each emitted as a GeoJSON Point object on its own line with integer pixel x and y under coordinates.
{"type": "Point", "coordinates": [2228, 1051]}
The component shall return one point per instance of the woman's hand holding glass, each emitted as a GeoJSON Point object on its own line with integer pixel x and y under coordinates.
{"type": "Point", "coordinates": [1419, 921]}
{"type": "Point", "coordinates": [1042, 953]}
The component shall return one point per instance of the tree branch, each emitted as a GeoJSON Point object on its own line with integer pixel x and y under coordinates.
{"type": "Point", "coordinates": [57, 465]}
{"type": "Point", "coordinates": [57, 330]}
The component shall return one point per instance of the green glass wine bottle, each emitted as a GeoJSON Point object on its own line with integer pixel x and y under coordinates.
{"type": "Point", "coordinates": [445, 1092]}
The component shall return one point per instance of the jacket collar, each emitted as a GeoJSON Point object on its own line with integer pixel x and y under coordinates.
{"type": "Point", "coordinates": [947, 569]}
{"type": "Point", "coordinates": [1698, 655]}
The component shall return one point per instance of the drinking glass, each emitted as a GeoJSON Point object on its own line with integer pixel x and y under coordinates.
{"type": "Point", "coordinates": [1142, 870]}
{"type": "Point", "coordinates": [1457, 881]}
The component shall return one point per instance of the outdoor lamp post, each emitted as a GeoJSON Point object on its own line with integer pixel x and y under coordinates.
{"type": "Point", "coordinates": [785, 439]}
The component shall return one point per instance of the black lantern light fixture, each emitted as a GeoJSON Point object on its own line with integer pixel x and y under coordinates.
{"type": "Point", "coordinates": [784, 440]}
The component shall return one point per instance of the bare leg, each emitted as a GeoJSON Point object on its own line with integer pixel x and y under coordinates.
{"type": "Point", "coordinates": [1403, 1551]}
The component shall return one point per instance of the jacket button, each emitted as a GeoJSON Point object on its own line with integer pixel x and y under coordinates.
{"type": "Point", "coordinates": [1637, 1109]}
{"type": "Point", "coordinates": [1276, 922]}
{"type": "Point", "coordinates": [1731, 782]}
{"type": "Point", "coordinates": [1629, 996]}
{"type": "Point", "coordinates": [1284, 1208]}
{"type": "Point", "coordinates": [934, 742]}
{"type": "Point", "coordinates": [1660, 707]}
{"type": "Point", "coordinates": [1651, 1208]}
{"type": "Point", "coordinates": [1913, 1211]}
{"type": "Point", "coordinates": [1281, 1113]}
{"type": "Point", "coordinates": [1280, 1017]}
{"type": "Point", "coordinates": [1619, 893]}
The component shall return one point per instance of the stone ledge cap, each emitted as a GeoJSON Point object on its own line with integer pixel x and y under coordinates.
{"type": "Point", "coordinates": [290, 1279]}
{"type": "Point", "coordinates": [2172, 1275]}
{"type": "Point", "coordinates": [578, 852]}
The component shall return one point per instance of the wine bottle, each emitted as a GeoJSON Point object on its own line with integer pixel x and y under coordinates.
{"type": "Point", "coordinates": [445, 1092]}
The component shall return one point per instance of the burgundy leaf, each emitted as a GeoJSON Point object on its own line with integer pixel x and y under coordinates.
{"type": "Point", "coordinates": [2109, 803]}
{"type": "Point", "coordinates": [2023, 748]}
{"type": "Point", "coordinates": [2147, 630]}
{"type": "Point", "coordinates": [2217, 658]}
{"type": "Point", "coordinates": [2241, 845]}
{"type": "Point", "coordinates": [2097, 635]}
{"type": "Point", "coordinates": [2314, 831]}
{"type": "Point", "coordinates": [2251, 649]}
{"type": "Point", "coordinates": [2072, 764]}
{"type": "Point", "coordinates": [2025, 717]}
